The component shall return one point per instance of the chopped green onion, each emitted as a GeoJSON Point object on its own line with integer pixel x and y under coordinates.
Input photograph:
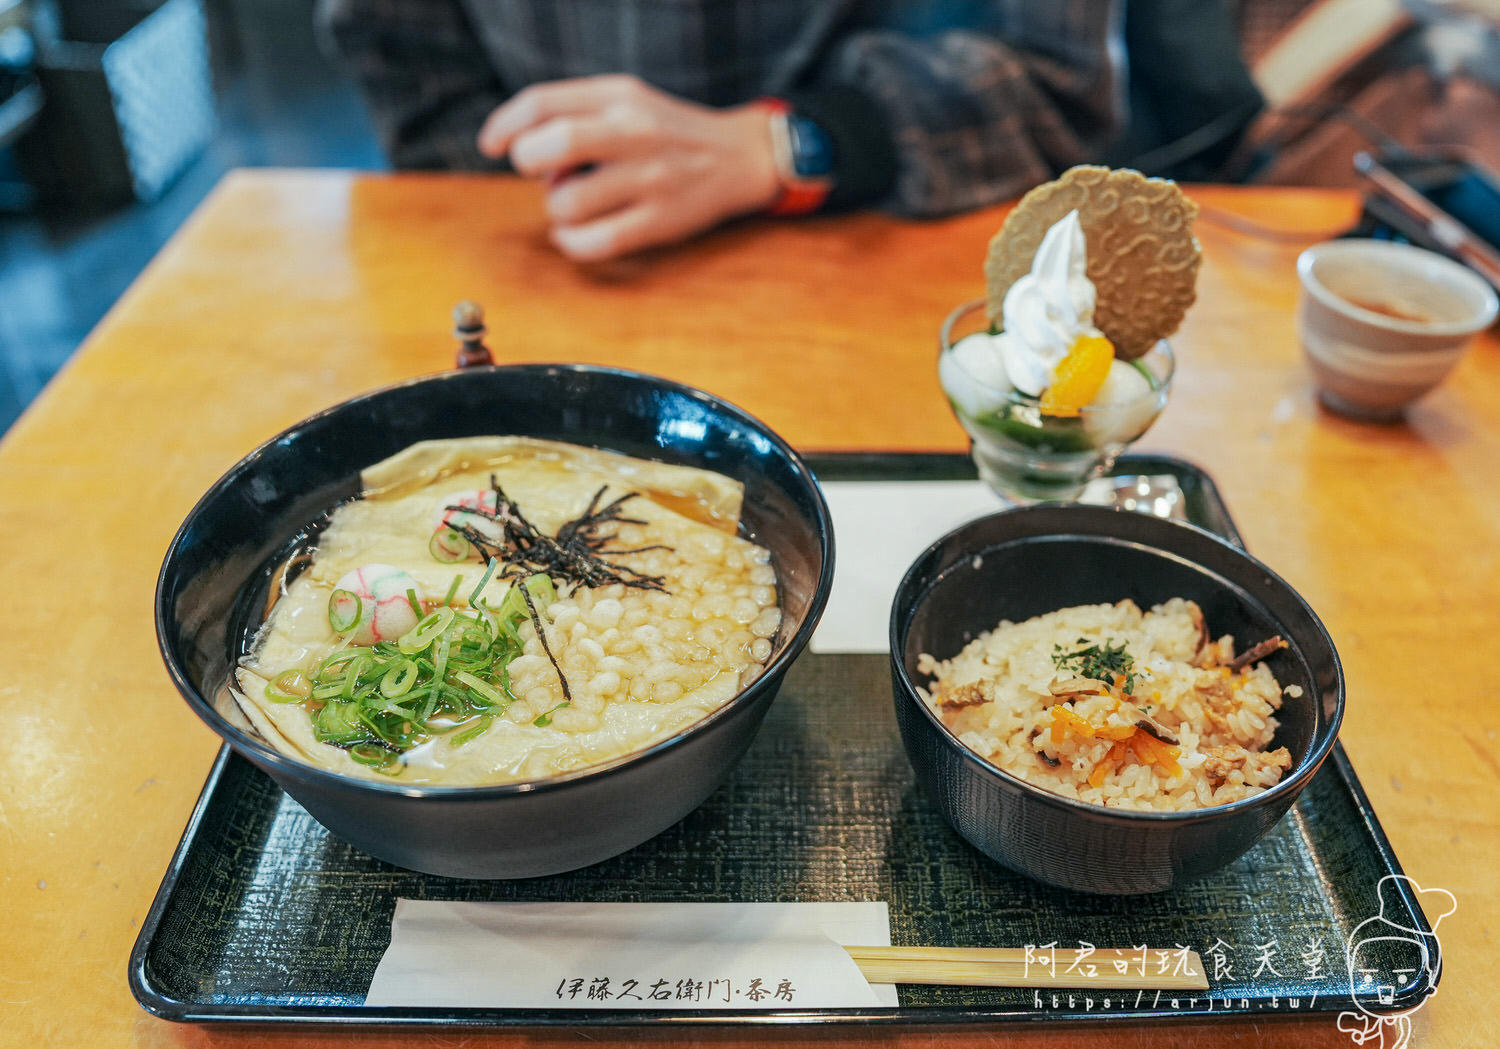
{"type": "Point", "coordinates": [411, 599]}
{"type": "Point", "coordinates": [474, 643]}
{"type": "Point", "coordinates": [452, 668]}
{"type": "Point", "coordinates": [344, 610]}
{"type": "Point", "coordinates": [489, 573]}
{"type": "Point", "coordinates": [509, 634]}
{"type": "Point", "coordinates": [427, 630]}
{"type": "Point", "coordinates": [490, 694]}
{"type": "Point", "coordinates": [290, 686]}
{"type": "Point", "coordinates": [449, 545]}
{"type": "Point", "coordinates": [543, 589]}
{"type": "Point", "coordinates": [512, 604]}
{"type": "Point", "coordinates": [544, 720]}
{"type": "Point", "coordinates": [329, 668]}
{"type": "Point", "coordinates": [374, 756]}
{"type": "Point", "coordinates": [488, 618]}
{"type": "Point", "coordinates": [339, 723]}
{"type": "Point", "coordinates": [382, 705]}
{"type": "Point", "coordinates": [399, 679]}
{"type": "Point", "coordinates": [351, 676]}
{"type": "Point", "coordinates": [430, 697]}
{"type": "Point", "coordinates": [470, 733]}
{"type": "Point", "coordinates": [440, 655]}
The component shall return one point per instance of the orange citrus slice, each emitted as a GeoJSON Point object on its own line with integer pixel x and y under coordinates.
{"type": "Point", "coordinates": [1078, 376]}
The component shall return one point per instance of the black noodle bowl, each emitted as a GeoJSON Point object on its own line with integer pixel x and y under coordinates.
{"type": "Point", "coordinates": [217, 577]}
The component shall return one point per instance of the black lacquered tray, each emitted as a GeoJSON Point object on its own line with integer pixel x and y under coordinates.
{"type": "Point", "coordinates": [265, 917]}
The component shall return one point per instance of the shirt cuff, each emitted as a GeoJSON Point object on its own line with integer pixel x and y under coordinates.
{"type": "Point", "coordinates": [864, 150]}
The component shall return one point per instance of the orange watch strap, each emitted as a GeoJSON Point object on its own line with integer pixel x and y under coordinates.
{"type": "Point", "coordinates": [798, 196]}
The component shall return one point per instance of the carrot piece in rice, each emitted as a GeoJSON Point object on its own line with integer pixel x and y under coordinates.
{"type": "Point", "coordinates": [1064, 721]}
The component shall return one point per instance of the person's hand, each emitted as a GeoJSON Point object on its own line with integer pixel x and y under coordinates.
{"type": "Point", "coordinates": [628, 166]}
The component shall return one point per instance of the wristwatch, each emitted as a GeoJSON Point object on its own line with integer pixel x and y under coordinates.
{"type": "Point", "coordinates": [804, 159]}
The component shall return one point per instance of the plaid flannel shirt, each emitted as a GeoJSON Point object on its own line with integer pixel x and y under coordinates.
{"type": "Point", "coordinates": [960, 102]}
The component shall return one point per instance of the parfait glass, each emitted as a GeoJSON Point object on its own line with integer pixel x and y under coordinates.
{"type": "Point", "coordinates": [1026, 456]}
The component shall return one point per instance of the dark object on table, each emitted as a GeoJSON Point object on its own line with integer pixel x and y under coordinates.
{"type": "Point", "coordinates": [1441, 200]}
{"type": "Point", "coordinates": [216, 575]}
{"type": "Point", "coordinates": [1022, 563]}
{"type": "Point", "coordinates": [128, 99]}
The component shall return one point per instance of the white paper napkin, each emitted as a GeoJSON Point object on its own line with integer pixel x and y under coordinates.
{"type": "Point", "coordinates": [879, 528]}
{"type": "Point", "coordinates": [630, 956]}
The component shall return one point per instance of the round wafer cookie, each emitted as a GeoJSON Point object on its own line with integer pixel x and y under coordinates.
{"type": "Point", "coordinates": [1142, 256]}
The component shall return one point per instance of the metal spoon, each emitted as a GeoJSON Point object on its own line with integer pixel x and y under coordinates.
{"type": "Point", "coordinates": [1158, 494]}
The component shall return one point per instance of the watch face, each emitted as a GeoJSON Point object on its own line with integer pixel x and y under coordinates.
{"type": "Point", "coordinates": [812, 149]}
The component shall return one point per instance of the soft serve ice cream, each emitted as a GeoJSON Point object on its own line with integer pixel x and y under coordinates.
{"type": "Point", "coordinates": [1048, 347]}
{"type": "Point", "coordinates": [1088, 275]}
{"type": "Point", "coordinates": [1048, 310]}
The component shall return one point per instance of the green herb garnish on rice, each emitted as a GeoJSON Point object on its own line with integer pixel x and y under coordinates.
{"type": "Point", "coordinates": [1097, 662]}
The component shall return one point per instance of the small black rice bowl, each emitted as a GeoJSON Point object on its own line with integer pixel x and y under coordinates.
{"type": "Point", "coordinates": [1026, 562]}
{"type": "Point", "coordinates": [216, 576]}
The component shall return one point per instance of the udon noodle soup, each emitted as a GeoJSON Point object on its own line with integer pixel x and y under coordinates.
{"type": "Point", "coordinates": [501, 609]}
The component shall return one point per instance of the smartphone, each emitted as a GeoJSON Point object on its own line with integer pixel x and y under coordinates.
{"type": "Point", "coordinates": [1443, 200]}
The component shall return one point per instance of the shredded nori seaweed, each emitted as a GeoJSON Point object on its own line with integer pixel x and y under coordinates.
{"type": "Point", "coordinates": [573, 555]}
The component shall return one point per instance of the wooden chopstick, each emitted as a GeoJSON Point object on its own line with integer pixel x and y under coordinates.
{"type": "Point", "coordinates": [1106, 967]}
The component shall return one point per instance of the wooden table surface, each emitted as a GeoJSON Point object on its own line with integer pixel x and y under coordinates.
{"type": "Point", "coordinates": [289, 291]}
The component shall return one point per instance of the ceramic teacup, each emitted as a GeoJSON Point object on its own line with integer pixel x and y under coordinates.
{"type": "Point", "coordinates": [1383, 323]}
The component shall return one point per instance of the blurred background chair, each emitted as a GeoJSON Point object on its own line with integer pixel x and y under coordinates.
{"type": "Point", "coordinates": [128, 103]}
{"type": "Point", "coordinates": [152, 101]}
{"type": "Point", "coordinates": [20, 94]}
